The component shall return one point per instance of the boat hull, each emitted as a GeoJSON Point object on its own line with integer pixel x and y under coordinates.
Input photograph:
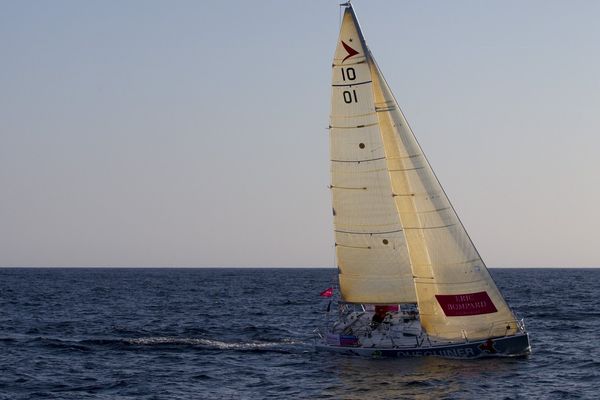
{"type": "Point", "coordinates": [509, 346]}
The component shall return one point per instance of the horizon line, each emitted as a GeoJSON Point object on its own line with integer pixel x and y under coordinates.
{"type": "Point", "coordinates": [248, 267]}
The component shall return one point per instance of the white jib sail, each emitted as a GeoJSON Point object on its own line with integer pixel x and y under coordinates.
{"type": "Point", "coordinates": [371, 251]}
{"type": "Point", "coordinates": [457, 297]}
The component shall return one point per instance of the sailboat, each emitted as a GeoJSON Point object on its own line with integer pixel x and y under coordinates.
{"type": "Point", "coordinates": [411, 282]}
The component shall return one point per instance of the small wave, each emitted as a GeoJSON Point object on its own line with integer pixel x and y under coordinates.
{"type": "Point", "coordinates": [61, 343]}
{"type": "Point", "coordinates": [591, 366]}
{"type": "Point", "coordinates": [418, 383]}
{"type": "Point", "coordinates": [202, 377]}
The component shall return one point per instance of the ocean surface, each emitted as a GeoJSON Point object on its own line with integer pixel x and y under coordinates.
{"type": "Point", "coordinates": [247, 334]}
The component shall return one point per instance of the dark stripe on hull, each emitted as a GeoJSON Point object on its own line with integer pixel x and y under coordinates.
{"type": "Point", "coordinates": [512, 346]}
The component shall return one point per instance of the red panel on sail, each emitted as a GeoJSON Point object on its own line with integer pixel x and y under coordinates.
{"type": "Point", "coordinates": [457, 305]}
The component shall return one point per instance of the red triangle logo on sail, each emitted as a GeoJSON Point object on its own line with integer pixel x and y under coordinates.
{"type": "Point", "coordinates": [351, 52]}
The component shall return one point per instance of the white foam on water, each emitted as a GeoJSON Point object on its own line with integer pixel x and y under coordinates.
{"type": "Point", "coordinates": [210, 343]}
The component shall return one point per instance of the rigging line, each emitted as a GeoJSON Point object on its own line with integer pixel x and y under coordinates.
{"type": "Point", "coordinates": [351, 84]}
{"type": "Point", "coordinates": [367, 233]}
{"type": "Point", "coordinates": [359, 161]}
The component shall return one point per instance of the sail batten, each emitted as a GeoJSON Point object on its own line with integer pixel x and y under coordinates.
{"type": "Point", "coordinates": [351, 84]}
{"type": "Point", "coordinates": [354, 127]}
{"type": "Point", "coordinates": [368, 233]}
{"type": "Point", "coordinates": [360, 161]}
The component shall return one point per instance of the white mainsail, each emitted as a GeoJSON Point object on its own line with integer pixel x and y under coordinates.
{"type": "Point", "coordinates": [384, 189]}
{"type": "Point", "coordinates": [371, 251]}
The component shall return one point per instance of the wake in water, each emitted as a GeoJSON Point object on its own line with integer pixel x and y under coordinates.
{"type": "Point", "coordinates": [284, 345]}
{"type": "Point", "coordinates": [211, 344]}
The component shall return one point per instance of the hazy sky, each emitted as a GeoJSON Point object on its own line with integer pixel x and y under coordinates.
{"type": "Point", "coordinates": [193, 133]}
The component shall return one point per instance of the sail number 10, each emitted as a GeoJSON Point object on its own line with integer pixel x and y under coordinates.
{"type": "Point", "coordinates": [349, 74]}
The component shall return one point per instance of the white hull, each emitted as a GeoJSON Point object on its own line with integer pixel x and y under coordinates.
{"type": "Point", "coordinates": [509, 346]}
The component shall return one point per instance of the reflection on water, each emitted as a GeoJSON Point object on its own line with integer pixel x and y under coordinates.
{"type": "Point", "coordinates": [417, 378]}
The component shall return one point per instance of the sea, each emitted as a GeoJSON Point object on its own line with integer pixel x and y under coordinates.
{"type": "Point", "coordinates": [241, 333]}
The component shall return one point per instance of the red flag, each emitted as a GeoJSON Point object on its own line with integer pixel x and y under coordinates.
{"type": "Point", "coordinates": [327, 292]}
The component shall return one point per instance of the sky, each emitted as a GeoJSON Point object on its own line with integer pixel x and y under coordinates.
{"type": "Point", "coordinates": [193, 133]}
